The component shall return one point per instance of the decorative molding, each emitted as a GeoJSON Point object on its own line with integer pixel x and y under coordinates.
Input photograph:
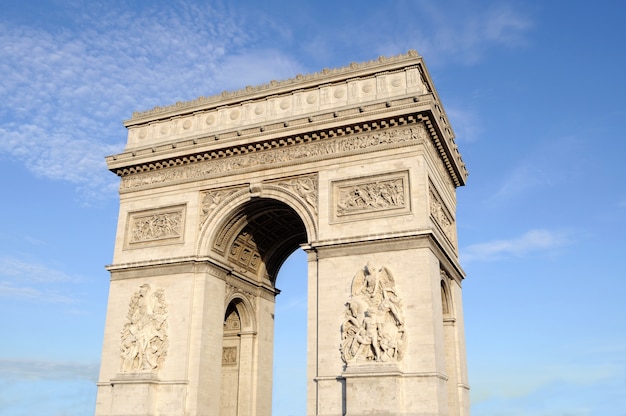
{"type": "Point", "coordinates": [285, 151]}
{"type": "Point", "coordinates": [161, 225]}
{"type": "Point", "coordinates": [373, 329]}
{"type": "Point", "coordinates": [304, 187]}
{"type": "Point", "coordinates": [144, 341]}
{"type": "Point", "coordinates": [440, 166]}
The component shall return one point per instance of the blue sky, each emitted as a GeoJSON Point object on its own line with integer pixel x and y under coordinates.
{"type": "Point", "coordinates": [534, 90]}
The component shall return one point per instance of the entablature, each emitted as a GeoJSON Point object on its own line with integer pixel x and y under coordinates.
{"type": "Point", "coordinates": [168, 137]}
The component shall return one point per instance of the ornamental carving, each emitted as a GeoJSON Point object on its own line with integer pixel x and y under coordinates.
{"type": "Point", "coordinates": [211, 199]}
{"type": "Point", "coordinates": [373, 329]}
{"type": "Point", "coordinates": [368, 197]}
{"type": "Point", "coordinates": [441, 215]}
{"type": "Point", "coordinates": [371, 196]}
{"type": "Point", "coordinates": [229, 355]}
{"type": "Point", "coordinates": [283, 153]}
{"type": "Point", "coordinates": [166, 224]}
{"type": "Point", "coordinates": [144, 341]}
{"type": "Point", "coordinates": [303, 186]}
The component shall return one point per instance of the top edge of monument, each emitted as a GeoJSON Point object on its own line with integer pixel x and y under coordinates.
{"type": "Point", "coordinates": [354, 69]}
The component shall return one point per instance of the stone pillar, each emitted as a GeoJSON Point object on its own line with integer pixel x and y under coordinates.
{"type": "Point", "coordinates": [264, 357]}
{"type": "Point", "coordinates": [206, 338]}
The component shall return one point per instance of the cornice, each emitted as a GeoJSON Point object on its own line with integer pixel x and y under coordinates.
{"type": "Point", "coordinates": [165, 138]}
{"type": "Point", "coordinates": [134, 176]}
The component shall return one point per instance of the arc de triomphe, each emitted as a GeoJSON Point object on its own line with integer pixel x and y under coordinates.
{"type": "Point", "coordinates": [356, 165]}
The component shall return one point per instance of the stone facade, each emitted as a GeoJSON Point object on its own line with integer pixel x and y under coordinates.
{"type": "Point", "coordinates": [356, 165]}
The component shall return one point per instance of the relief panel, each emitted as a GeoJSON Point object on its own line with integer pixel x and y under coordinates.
{"type": "Point", "coordinates": [441, 216]}
{"type": "Point", "coordinates": [373, 329]}
{"type": "Point", "coordinates": [163, 225]}
{"type": "Point", "coordinates": [144, 340]}
{"type": "Point", "coordinates": [369, 197]}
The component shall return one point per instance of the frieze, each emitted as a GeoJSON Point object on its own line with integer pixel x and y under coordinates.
{"type": "Point", "coordinates": [373, 328]}
{"type": "Point", "coordinates": [357, 198]}
{"type": "Point", "coordinates": [271, 157]}
{"type": "Point", "coordinates": [144, 340]}
{"type": "Point", "coordinates": [160, 225]}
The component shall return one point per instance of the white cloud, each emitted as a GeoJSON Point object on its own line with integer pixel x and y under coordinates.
{"type": "Point", "coordinates": [10, 291]}
{"type": "Point", "coordinates": [27, 281]}
{"type": "Point", "coordinates": [67, 91]}
{"type": "Point", "coordinates": [27, 369]}
{"type": "Point", "coordinates": [527, 176]}
{"type": "Point", "coordinates": [529, 242]}
{"type": "Point", "coordinates": [466, 123]}
{"type": "Point", "coordinates": [463, 32]}
{"type": "Point", "coordinates": [31, 272]}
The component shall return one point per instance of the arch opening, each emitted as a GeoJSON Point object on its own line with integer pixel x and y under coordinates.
{"type": "Point", "coordinates": [259, 237]}
{"type": "Point", "coordinates": [255, 241]}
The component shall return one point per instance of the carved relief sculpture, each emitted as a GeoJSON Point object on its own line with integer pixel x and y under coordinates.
{"type": "Point", "coordinates": [144, 336]}
{"type": "Point", "coordinates": [373, 330]}
{"type": "Point", "coordinates": [229, 355]}
{"type": "Point", "coordinates": [441, 216]}
{"type": "Point", "coordinates": [371, 196]}
{"type": "Point", "coordinates": [305, 187]}
{"type": "Point", "coordinates": [285, 153]}
{"type": "Point", "coordinates": [211, 199]}
{"type": "Point", "coordinates": [162, 225]}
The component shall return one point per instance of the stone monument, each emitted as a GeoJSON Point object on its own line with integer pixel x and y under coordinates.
{"type": "Point", "coordinates": [356, 165]}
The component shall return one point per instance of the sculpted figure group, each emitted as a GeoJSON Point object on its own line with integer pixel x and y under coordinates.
{"type": "Point", "coordinates": [144, 336]}
{"type": "Point", "coordinates": [374, 327]}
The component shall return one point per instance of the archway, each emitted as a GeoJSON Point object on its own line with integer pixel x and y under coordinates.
{"type": "Point", "coordinates": [253, 241]}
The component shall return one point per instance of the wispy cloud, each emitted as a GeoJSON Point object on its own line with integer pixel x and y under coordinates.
{"type": "Point", "coordinates": [27, 281]}
{"type": "Point", "coordinates": [27, 271]}
{"type": "Point", "coordinates": [27, 369]}
{"type": "Point", "coordinates": [467, 125]}
{"type": "Point", "coordinates": [11, 291]}
{"type": "Point", "coordinates": [67, 91]}
{"type": "Point", "coordinates": [525, 177]}
{"type": "Point", "coordinates": [530, 242]}
{"type": "Point", "coordinates": [462, 33]}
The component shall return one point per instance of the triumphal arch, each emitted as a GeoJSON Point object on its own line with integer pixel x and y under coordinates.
{"type": "Point", "coordinates": [358, 167]}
